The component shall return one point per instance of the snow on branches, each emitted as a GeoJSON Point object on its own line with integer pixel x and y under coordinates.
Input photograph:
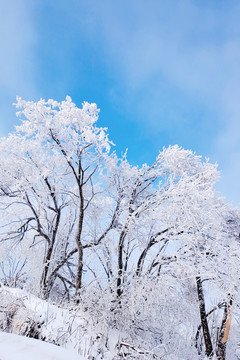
{"type": "Point", "coordinates": [138, 248]}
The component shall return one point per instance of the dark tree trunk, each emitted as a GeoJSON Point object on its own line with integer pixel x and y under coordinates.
{"type": "Point", "coordinates": [223, 332]}
{"type": "Point", "coordinates": [47, 280]}
{"type": "Point", "coordinates": [44, 287]}
{"type": "Point", "coordinates": [203, 316]}
{"type": "Point", "coordinates": [78, 283]}
{"type": "Point", "coordinates": [120, 264]}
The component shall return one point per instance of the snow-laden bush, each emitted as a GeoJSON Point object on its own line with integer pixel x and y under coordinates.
{"type": "Point", "coordinates": [99, 327]}
{"type": "Point", "coordinates": [16, 316]}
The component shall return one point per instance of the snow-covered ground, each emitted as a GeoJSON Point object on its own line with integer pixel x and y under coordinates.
{"type": "Point", "coordinates": [16, 347]}
{"type": "Point", "coordinates": [22, 313]}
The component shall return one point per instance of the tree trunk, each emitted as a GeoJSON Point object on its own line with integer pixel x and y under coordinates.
{"type": "Point", "coordinates": [203, 316]}
{"type": "Point", "coordinates": [44, 286]}
{"type": "Point", "coordinates": [120, 264]}
{"type": "Point", "coordinates": [47, 280]}
{"type": "Point", "coordinates": [78, 283]}
{"type": "Point", "coordinates": [223, 332]}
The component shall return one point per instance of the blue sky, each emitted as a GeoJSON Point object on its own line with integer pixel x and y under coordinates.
{"type": "Point", "coordinates": [162, 72]}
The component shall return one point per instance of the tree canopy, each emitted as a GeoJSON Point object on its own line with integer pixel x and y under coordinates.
{"type": "Point", "coordinates": [151, 252]}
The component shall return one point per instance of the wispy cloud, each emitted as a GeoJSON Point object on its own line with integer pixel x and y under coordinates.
{"type": "Point", "coordinates": [17, 61]}
{"type": "Point", "coordinates": [174, 66]}
{"type": "Point", "coordinates": [194, 47]}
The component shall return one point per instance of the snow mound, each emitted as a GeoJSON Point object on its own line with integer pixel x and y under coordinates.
{"type": "Point", "coordinates": [23, 348]}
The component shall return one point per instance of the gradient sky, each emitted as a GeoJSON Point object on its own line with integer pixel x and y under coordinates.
{"type": "Point", "coordinates": [162, 72]}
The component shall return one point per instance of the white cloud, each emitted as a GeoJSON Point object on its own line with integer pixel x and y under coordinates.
{"type": "Point", "coordinates": [192, 45]}
{"type": "Point", "coordinates": [196, 47]}
{"type": "Point", "coordinates": [17, 61]}
{"type": "Point", "coordinates": [17, 40]}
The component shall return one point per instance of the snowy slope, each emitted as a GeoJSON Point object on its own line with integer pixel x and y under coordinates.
{"type": "Point", "coordinates": [15, 347]}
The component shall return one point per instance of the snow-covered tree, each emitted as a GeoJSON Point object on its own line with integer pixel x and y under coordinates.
{"type": "Point", "coordinates": [143, 249]}
{"type": "Point", "coordinates": [47, 183]}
